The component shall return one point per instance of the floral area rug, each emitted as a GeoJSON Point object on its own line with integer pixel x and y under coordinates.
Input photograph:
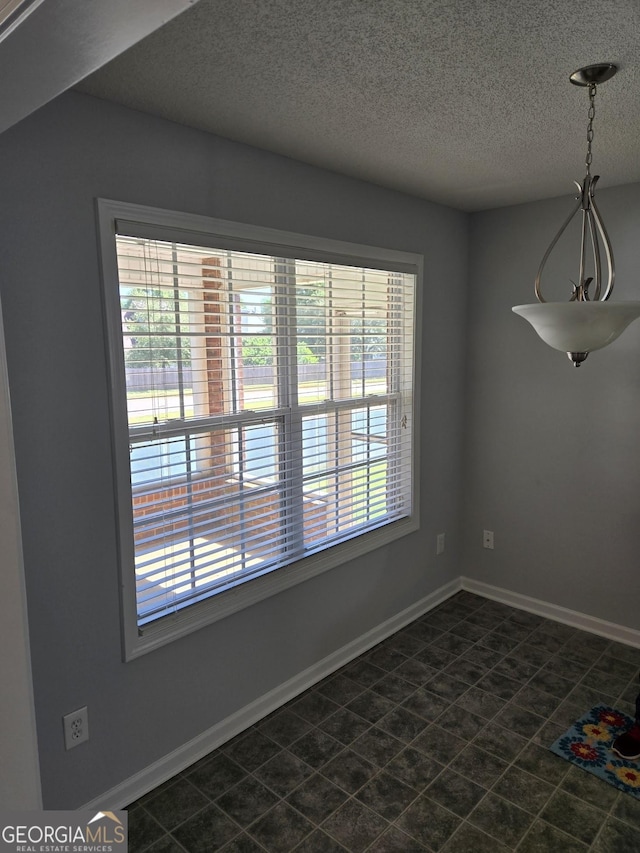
{"type": "Point", "coordinates": [587, 743]}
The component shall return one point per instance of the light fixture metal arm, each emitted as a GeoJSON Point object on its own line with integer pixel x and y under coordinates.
{"type": "Point", "coordinates": [539, 295]}
{"type": "Point", "coordinates": [593, 230]}
{"type": "Point", "coordinates": [592, 225]}
{"type": "Point", "coordinates": [606, 243]}
{"type": "Point", "coordinates": [595, 247]}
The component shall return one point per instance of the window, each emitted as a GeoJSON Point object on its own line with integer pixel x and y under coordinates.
{"type": "Point", "coordinates": [263, 410]}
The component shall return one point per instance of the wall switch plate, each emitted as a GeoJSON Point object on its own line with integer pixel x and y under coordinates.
{"type": "Point", "coordinates": [487, 539]}
{"type": "Point", "coordinates": [76, 727]}
{"type": "Point", "coordinates": [440, 543]}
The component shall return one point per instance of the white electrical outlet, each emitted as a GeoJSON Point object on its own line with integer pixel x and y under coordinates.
{"type": "Point", "coordinates": [440, 543]}
{"type": "Point", "coordinates": [487, 539]}
{"type": "Point", "coordinates": [76, 727]}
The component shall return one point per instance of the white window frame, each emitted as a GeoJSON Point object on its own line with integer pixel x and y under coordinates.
{"type": "Point", "coordinates": [200, 230]}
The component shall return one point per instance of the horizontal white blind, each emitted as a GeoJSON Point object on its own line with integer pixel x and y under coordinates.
{"type": "Point", "coordinates": [269, 407]}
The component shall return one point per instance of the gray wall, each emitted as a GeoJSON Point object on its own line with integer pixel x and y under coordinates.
{"type": "Point", "coordinates": [52, 166]}
{"type": "Point", "coordinates": [552, 455]}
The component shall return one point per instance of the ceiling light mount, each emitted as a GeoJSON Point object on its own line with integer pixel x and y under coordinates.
{"type": "Point", "coordinates": [587, 322]}
{"type": "Point", "coordinates": [594, 74]}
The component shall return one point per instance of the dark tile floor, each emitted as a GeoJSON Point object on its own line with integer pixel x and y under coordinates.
{"type": "Point", "coordinates": [433, 740]}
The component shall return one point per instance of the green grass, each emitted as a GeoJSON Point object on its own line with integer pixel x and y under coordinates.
{"type": "Point", "coordinates": [308, 392]}
{"type": "Point", "coordinates": [372, 481]}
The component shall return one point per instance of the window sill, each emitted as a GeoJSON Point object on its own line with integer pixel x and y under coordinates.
{"type": "Point", "coordinates": [213, 608]}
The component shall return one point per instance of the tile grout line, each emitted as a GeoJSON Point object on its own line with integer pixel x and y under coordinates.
{"type": "Point", "coordinates": [453, 617]}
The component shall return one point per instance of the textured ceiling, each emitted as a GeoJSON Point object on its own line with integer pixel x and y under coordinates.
{"type": "Point", "coordinates": [466, 102]}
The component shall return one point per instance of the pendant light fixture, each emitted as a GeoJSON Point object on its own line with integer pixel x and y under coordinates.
{"type": "Point", "coordinates": [588, 321]}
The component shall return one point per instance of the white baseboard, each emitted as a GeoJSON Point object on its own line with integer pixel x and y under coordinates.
{"type": "Point", "coordinates": [610, 630]}
{"type": "Point", "coordinates": [160, 771]}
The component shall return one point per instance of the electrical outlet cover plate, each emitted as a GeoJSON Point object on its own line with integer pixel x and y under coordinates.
{"type": "Point", "coordinates": [76, 727]}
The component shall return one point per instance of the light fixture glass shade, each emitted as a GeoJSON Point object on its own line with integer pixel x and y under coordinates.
{"type": "Point", "coordinates": [579, 327]}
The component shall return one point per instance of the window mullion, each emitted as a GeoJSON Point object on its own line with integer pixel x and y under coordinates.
{"type": "Point", "coordinates": [234, 350]}
{"type": "Point", "coordinates": [177, 318]}
{"type": "Point", "coordinates": [396, 418]}
{"type": "Point", "coordinates": [291, 445]}
{"type": "Point", "coordinates": [332, 420]}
